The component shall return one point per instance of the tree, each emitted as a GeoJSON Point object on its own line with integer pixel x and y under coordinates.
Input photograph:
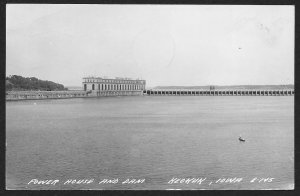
{"type": "Point", "coordinates": [15, 82]}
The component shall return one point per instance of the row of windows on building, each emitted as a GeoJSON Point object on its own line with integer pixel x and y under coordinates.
{"type": "Point", "coordinates": [115, 81]}
{"type": "Point", "coordinates": [115, 87]}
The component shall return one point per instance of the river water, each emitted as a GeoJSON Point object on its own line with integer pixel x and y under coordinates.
{"type": "Point", "coordinates": [156, 138]}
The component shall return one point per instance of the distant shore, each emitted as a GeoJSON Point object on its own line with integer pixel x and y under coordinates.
{"type": "Point", "coordinates": [231, 87]}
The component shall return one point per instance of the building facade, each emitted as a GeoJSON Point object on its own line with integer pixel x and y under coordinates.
{"type": "Point", "coordinates": [98, 86]}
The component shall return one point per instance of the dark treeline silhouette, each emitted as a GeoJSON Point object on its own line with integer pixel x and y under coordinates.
{"type": "Point", "coordinates": [19, 83]}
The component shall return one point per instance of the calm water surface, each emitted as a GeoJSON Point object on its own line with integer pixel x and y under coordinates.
{"type": "Point", "coordinates": [156, 138]}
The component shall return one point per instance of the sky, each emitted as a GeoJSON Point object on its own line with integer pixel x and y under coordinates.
{"type": "Point", "coordinates": [179, 45]}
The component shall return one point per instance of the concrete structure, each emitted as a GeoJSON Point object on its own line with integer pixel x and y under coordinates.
{"type": "Point", "coordinates": [227, 92]}
{"type": "Point", "coordinates": [24, 95]}
{"type": "Point", "coordinates": [97, 86]}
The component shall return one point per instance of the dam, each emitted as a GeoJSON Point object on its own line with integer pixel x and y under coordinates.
{"type": "Point", "coordinates": [33, 95]}
{"type": "Point", "coordinates": [224, 92]}
{"type": "Point", "coordinates": [101, 86]}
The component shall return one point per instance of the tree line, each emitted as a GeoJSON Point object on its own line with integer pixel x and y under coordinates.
{"type": "Point", "coordinates": [19, 83]}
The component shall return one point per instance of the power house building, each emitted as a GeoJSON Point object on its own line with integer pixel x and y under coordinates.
{"type": "Point", "coordinates": [98, 86]}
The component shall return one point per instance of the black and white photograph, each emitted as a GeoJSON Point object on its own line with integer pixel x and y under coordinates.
{"type": "Point", "coordinates": [149, 97]}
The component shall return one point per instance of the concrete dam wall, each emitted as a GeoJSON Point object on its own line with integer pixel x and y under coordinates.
{"type": "Point", "coordinates": [182, 92]}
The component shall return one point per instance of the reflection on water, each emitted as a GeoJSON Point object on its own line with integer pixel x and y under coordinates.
{"type": "Point", "coordinates": [151, 138]}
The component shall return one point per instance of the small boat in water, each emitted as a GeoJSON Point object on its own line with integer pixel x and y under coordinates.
{"type": "Point", "coordinates": [241, 139]}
